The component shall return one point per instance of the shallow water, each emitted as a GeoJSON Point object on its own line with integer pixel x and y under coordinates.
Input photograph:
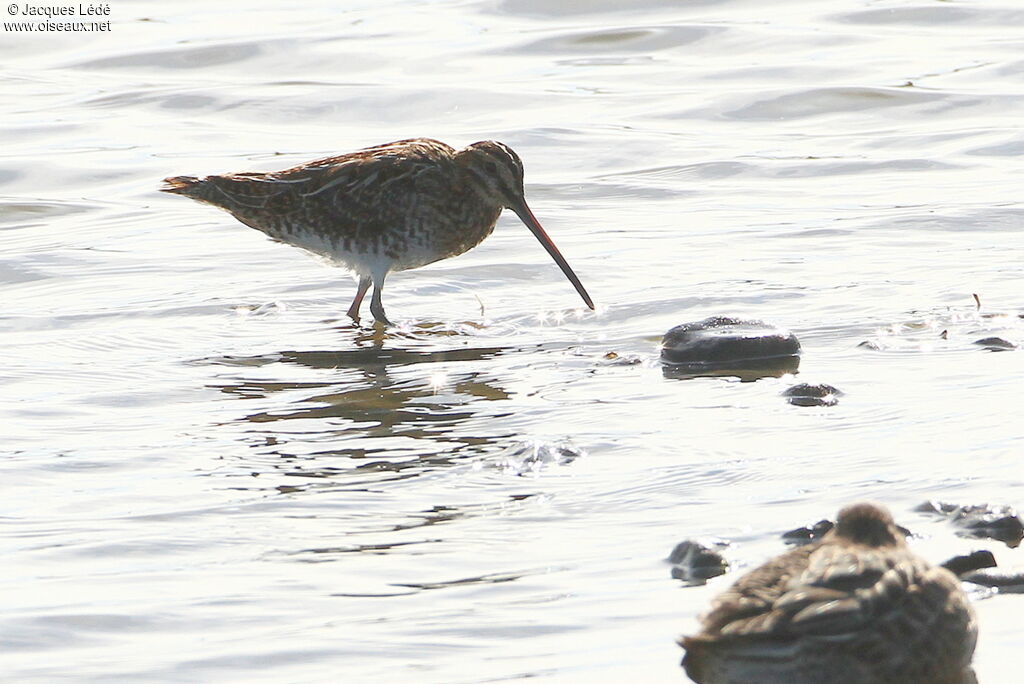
{"type": "Point", "coordinates": [212, 475]}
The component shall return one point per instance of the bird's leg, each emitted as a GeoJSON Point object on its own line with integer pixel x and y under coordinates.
{"type": "Point", "coordinates": [364, 285]}
{"type": "Point", "coordinates": [376, 306]}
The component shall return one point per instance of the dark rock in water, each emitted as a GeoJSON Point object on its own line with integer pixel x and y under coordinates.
{"type": "Point", "coordinates": [808, 533]}
{"type": "Point", "coordinates": [996, 344]}
{"type": "Point", "coordinates": [961, 565]}
{"type": "Point", "coordinates": [1009, 581]}
{"type": "Point", "coordinates": [981, 520]}
{"type": "Point", "coordinates": [811, 533]}
{"type": "Point", "coordinates": [805, 394]}
{"type": "Point", "coordinates": [695, 563]}
{"type": "Point", "coordinates": [725, 342]}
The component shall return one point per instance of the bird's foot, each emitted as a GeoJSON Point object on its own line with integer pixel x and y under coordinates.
{"type": "Point", "coordinates": [379, 318]}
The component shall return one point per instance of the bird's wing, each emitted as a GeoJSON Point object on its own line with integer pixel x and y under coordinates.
{"type": "Point", "coordinates": [364, 191]}
{"type": "Point", "coordinates": [748, 604]}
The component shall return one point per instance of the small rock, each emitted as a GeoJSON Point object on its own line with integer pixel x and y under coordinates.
{"type": "Point", "coordinates": [981, 520]}
{"type": "Point", "coordinates": [695, 563]}
{"type": "Point", "coordinates": [1009, 581]}
{"type": "Point", "coordinates": [996, 344]}
{"type": "Point", "coordinates": [616, 359]}
{"type": "Point", "coordinates": [962, 565]}
{"type": "Point", "coordinates": [806, 394]}
{"type": "Point", "coordinates": [808, 533]}
{"type": "Point", "coordinates": [725, 342]}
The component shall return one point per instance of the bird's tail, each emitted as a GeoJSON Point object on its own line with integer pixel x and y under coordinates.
{"type": "Point", "coordinates": [182, 185]}
{"type": "Point", "coordinates": [238, 193]}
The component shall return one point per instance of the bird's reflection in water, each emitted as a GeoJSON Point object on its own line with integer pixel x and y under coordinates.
{"type": "Point", "coordinates": [367, 409]}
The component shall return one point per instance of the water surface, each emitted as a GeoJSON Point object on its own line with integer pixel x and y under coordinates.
{"type": "Point", "coordinates": [212, 475]}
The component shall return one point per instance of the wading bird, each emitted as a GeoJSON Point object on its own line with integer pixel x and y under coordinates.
{"type": "Point", "coordinates": [387, 208]}
{"type": "Point", "coordinates": [856, 607]}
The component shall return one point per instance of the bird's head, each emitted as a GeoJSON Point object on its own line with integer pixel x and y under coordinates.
{"type": "Point", "coordinates": [495, 171]}
{"type": "Point", "coordinates": [868, 524]}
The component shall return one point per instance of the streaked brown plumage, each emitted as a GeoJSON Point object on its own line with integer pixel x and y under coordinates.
{"type": "Point", "coordinates": [387, 208]}
{"type": "Point", "coordinates": [857, 607]}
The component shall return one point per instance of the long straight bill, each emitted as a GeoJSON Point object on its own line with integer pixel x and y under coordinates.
{"type": "Point", "coordinates": [527, 217]}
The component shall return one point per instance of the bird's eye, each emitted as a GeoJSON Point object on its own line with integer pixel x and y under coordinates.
{"type": "Point", "coordinates": [492, 167]}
